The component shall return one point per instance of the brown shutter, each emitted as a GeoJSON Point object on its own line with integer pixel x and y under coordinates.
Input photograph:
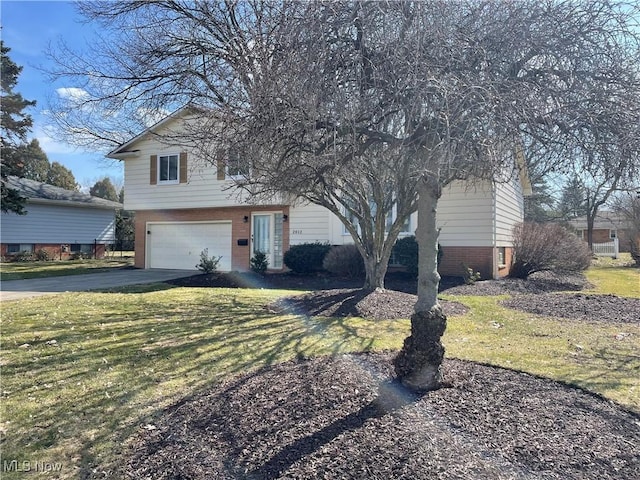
{"type": "Point", "coordinates": [183, 167]}
{"type": "Point", "coordinates": [153, 168]}
{"type": "Point", "coordinates": [221, 169]}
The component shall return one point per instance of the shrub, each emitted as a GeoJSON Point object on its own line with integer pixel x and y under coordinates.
{"type": "Point", "coordinates": [469, 275]}
{"type": "Point", "coordinates": [540, 247]}
{"type": "Point", "coordinates": [344, 261]}
{"type": "Point", "coordinates": [307, 257]}
{"type": "Point", "coordinates": [43, 255]}
{"type": "Point", "coordinates": [259, 263]}
{"type": "Point", "coordinates": [207, 264]}
{"type": "Point", "coordinates": [405, 251]}
{"type": "Point", "coordinates": [23, 256]}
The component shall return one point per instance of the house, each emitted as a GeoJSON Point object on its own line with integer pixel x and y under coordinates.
{"type": "Point", "coordinates": [183, 206]}
{"type": "Point", "coordinates": [608, 228]}
{"type": "Point", "coordinates": [61, 222]}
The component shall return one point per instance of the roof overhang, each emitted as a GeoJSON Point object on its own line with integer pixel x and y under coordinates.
{"type": "Point", "coordinates": [125, 151]}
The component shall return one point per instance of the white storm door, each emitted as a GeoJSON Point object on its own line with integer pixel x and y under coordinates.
{"type": "Point", "coordinates": [263, 236]}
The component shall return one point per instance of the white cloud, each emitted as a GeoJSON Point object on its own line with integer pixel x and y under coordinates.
{"type": "Point", "coordinates": [73, 94]}
{"type": "Point", "coordinates": [49, 144]}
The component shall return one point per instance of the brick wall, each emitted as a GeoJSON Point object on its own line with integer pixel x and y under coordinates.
{"type": "Point", "coordinates": [480, 259]}
{"type": "Point", "coordinates": [240, 255]}
{"type": "Point", "coordinates": [55, 250]}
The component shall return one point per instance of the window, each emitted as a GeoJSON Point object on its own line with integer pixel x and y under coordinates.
{"type": "Point", "coordinates": [168, 169]}
{"type": "Point", "coordinates": [502, 256]}
{"type": "Point", "coordinates": [237, 166]}
{"type": "Point", "coordinates": [613, 234]}
{"type": "Point", "coordinates": [19, 247]}
{"type": "Point", "coordinates": [406, 226]}
{"type": "Point", "coordinates": [81, 248]}
{"type": "Point", "coordinates": [352, 219]}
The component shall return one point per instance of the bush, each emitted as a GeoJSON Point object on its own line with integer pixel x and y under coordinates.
{"type": "Point", "coordinates": [23, 256]}
{"type": "Point", "coordinates": [207, 264]}
{"type": "Point", "coordinates": [469, 275]}
{"type": "Point", "coordinates": [405, 251]}
{"type": "Point", "coordinates": [307, 257]}
{"type": "Point", "coordinates": [259, 263]}
{"type": "Point", "coordinates": [43, 255]}
{"type": "Point", "coordinates": [540, 247]}
{"type": "Point", "coordinates": [344, 261]}
{"type": "Point", "coordinates": [80, 256]}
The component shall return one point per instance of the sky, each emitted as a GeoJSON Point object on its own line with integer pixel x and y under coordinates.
{"type": "Point", "coordinates": [27, 29]}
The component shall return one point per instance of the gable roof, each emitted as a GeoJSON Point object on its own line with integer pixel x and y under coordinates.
{"type": "Point", "coordinates": [604, 219]}
{"type": "Point", "coordinates": [123, 151]}
{"type": "Point", "coordinates": [38, 192]}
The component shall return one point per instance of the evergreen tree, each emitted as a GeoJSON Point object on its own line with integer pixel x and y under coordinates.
{"type": "Point", "coordinates": [540, 206]}
{"type": "Point", "coordinates": [14, 126]}
{"type": "Point", "coordinates": [104, 189]}
{"type": "Point", "coordinates": [61, 176]}
{"type": "Point", "coordinates": [573, 202]}
{"type": "Point", "coordinates": [35, 161]}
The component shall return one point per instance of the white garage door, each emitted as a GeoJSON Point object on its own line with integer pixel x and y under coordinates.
{"type": "Point", "coordinates": [178, 245]}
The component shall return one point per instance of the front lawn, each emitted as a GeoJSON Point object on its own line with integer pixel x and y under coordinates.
{"type": "Point", "coordinates": [24, 270]}
{"type": "Point", "coordinates": [81, 372]}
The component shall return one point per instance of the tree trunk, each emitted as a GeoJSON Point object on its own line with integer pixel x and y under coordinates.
{"type": "Point", "coordinates": [590, 222]}
{"type": "Point", "coordinates": [418, 363]}
{"type": "Point", "coordinates": [375, 273]}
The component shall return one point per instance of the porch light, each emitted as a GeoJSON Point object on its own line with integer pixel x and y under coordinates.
{"type": "Point", "coordinates": [285, 217]}
{"type": "Point", "coordinates": [245, 219]}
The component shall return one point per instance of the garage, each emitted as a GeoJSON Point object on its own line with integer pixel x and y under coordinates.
{"type": "Point", "coordinates": [177, 245]}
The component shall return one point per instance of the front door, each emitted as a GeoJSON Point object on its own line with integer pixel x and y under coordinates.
{"type": "Point", "coordinates": [267, 237]}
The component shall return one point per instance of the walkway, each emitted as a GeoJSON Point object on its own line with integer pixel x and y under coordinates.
{"type": "Point", "coordinates": [17, 289]}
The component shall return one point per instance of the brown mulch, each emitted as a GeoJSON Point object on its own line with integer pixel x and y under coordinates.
{"type": "Point", "coordinates": [376, 305]}
{"type": "Point", "coordinates": [606, 308]}
{"type": "Point", "coordinates": [344, 417]}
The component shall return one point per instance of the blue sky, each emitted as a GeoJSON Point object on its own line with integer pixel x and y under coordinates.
{"type": "Point", "coordinates": [27, 29]}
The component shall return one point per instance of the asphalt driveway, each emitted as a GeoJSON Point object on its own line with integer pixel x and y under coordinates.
{"type": "Point", "coordinates": [17, 289]}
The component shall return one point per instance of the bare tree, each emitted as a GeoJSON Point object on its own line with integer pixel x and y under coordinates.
{"type": "Point", "coordinates": [607, 161]}
{"type": "Point", "coordinates": [366, 107]}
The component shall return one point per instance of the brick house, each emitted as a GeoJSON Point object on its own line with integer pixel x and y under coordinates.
{"type": "Point", "coordinates": [183, 205]}
{"type": "Point", "coordinates": [62, 222]}
{"type": "Point", "coordinates": [607, 227]}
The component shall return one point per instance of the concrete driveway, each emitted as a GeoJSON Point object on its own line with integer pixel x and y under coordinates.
{"type": "Point", "coordinates": [17, 289]}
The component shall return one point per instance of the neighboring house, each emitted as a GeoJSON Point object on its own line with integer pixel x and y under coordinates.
{"type": "Point", "coordinates": [62, 222]}
{"type": "Point", "coordinates": [183, 205]}
{"type": "Point", "coordinates": [607, 227]}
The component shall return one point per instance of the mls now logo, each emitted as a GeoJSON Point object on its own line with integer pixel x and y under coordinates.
{"type": "Point", "coordinates": [30, 466]}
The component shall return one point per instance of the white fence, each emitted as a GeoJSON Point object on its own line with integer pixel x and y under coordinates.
{"type": "Point", "coordinates": [608, 249]}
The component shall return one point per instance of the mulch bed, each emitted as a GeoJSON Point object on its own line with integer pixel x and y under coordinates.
{"type": "Point", "coordinates": [604, 308]}
{"type": "Point", "coordinates": [344, 417]}
{"type": "Point", "coordinates": [376, 305]}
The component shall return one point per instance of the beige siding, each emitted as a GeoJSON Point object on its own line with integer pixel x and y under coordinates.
{"type": "Point", "coordinates": [309, 223]}
{"type": "Point", "coordinates": [509, 208]}
{"type": "Point", "coordinates": [465, 215]}
{"type": "Point", "coordinates": [202, 189]}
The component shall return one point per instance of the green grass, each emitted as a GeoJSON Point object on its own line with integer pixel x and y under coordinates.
{"type": "Point", "coordinates": [617, 277]}
{"type": "Point", "coordinates": [24, 270]}
{"type": "Point", "coordinates": [119, 357]}
{"type": "Point", "coordinates": [81, 372]}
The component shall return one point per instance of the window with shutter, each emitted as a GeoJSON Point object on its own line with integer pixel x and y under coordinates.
{"type": "Point", "coordinates": [168, 169]}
